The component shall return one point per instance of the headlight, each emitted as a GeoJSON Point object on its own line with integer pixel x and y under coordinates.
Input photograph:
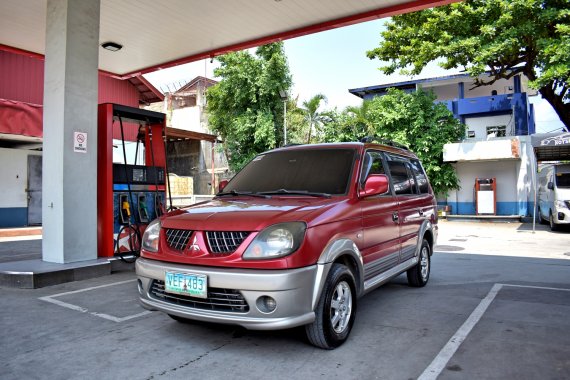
{"type": "Point", "coordinates": [151, 236]}
{"type": "Point", "coordinates": [276, 241]}
{"type": "Point", "coordinates": [560, 204]}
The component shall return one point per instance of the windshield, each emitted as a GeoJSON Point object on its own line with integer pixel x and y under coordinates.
{"type": "Point", "coordinates": [310, 170]}
{"type": "Point", "coordinates": [563, 180]}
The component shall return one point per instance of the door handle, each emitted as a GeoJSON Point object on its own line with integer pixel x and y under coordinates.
{"type": "Point", "coordinates": [395, 216]}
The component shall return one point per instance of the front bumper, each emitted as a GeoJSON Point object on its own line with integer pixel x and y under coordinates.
{"type": "Point", "coordinates": [561, 215]}
{"type": "Point", "coordinates": [292, 290]}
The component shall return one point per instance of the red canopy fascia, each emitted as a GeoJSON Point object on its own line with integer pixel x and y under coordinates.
{"type": "Point", "coordinates": [18, 118]}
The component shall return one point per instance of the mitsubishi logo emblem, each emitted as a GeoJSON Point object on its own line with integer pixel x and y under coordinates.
{"type": "Point", "coordinates": [194, 246]}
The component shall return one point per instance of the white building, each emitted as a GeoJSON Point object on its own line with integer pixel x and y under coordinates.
{"type": "Point", "coordinates": [496, 147]}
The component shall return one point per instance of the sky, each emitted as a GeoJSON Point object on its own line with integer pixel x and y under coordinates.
{"type": "Point", "coordinates": [331, 63]}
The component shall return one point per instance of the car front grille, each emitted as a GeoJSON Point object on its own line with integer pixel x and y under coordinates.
{"type": "Point", "coordinates": [224, 241]}
{"type": "Point", "coordinates": [229, 300]}
{"type": "Point", "coordinates": [177, 239]}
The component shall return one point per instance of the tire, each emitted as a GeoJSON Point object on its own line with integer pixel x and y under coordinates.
{"type": "Point", "coordinates": [553, 226]}
{"type": "Point", "coordinates": [335, 311]}
{"type": "Point", "coordinates": [418, 275]}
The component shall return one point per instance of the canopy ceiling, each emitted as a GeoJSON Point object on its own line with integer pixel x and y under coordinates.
{"type": "Point", "coordinates": [551, 146]}
{"type": "Point", "coordinates": [160, 34]}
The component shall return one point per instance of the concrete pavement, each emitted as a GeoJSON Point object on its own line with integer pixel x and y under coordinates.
{"type": "Point", "coordinates": [508, 311]}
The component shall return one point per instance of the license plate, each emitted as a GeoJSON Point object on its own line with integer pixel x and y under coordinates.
{"type": "Point", "coordinates": [193, 285]}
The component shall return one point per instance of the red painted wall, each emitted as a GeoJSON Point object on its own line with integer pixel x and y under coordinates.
{"type": "Point", "coordinates": [22, 80]}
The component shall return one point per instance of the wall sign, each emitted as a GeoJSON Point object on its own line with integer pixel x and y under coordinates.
{"type": "Point", "coordinates": [80, 142]}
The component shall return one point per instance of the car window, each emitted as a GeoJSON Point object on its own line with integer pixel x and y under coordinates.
{"type": "Point", "coordinates": [420, 175]}
{"type": "Point", "coordinates": [372, 165]}
{"type": "Point", "coordinates": [402, 178]}
{"type": "Point", "coordinates": [313, 170]}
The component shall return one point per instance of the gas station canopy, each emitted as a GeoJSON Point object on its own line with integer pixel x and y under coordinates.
{"type": "Point", "coordinates": [551, 146]}
{"type": "Point", "coordinates": [160, 34]}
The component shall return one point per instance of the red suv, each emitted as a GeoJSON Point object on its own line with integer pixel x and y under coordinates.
{"type": "Point", "coordinates": [295, 238]}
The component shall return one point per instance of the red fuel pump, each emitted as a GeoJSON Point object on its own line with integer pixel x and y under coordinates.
{"type": "Point", "coordinates": [129, 196]}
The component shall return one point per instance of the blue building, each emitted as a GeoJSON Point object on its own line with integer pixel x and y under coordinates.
{"type": "Point", "coordinates": [496, 147]}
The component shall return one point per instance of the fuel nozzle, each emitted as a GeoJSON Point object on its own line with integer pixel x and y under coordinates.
{"type": "Point", "coordinates": [125, 212]}
{"type": "Point", "coordinates": [143, 210]}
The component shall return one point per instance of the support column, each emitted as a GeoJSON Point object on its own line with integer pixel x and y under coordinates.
{"type": "Point", "coordinates": [70, 131]}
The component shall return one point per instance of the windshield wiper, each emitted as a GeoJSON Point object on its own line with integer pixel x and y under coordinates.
{"type": "Point", "coordinates": [235, 193]}
{"type": "Point", "coordinates": [297, 192]}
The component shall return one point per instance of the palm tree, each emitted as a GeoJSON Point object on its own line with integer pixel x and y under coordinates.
{"type": "Point", "coordinates": [362, 124]}
{"type": "Point", "coordinates": [312, 114]}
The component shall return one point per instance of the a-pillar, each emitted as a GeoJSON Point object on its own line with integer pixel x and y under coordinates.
{"type": "Point", "coordinates": [69, 203]}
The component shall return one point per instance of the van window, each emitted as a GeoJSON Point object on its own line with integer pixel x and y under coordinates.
{"type": "Point", "coordinates": [563, 180]}
{"type": "Point", "coordinates": [402, 178]}
{"type": "Point", "coordinates": [372, 165]}
{"type": "Point", "coordinates": [420, 175]}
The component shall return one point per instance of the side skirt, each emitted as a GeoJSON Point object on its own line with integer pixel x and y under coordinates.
{"type": "Point", "coordinates": [389, 274]}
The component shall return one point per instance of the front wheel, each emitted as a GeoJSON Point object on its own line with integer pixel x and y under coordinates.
{"type": "Point", "coordinates": [335, 311]}
{"type": "Point", "coordinates": [553, 225]}
{"type": "Point", "coordinates": [418, 275]}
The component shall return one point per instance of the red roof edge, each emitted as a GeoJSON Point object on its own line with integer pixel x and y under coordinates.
{"type": "Point", "coordinates": [153, 89]}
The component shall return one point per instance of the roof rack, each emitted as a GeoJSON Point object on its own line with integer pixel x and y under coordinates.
{"type": "Point", "coordinates": [376, 139]}
{"type": "Point", "coordinates": [292, 144]}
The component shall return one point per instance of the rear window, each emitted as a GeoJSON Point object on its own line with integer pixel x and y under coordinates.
{"type": "Point", "coordinates": [313, 170]}
{"type": "Point", "coordinates": [420, 176]}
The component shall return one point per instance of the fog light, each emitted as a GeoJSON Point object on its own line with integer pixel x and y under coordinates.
{"type": "Point", "coordinates": [561, 216]}
{"type": "Point", "coordinates": [140, 286]}
{"type": "Point", "coordinates": [266, 304]}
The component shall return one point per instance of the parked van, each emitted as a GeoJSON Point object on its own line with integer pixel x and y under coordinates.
{"type": "Point", "coordinates": [295, 238]}
{"type": "Point", "coordinates": [554, 195]}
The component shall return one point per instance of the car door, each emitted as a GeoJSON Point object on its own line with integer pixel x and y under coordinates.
{"type": "Point", "coordinates": [411, 203]}
{"type": "Point", "coordinates": [380, 244]}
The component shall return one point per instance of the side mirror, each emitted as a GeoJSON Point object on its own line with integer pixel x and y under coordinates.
{"type": "Point", "coordinates": [375, 184]}
{"type": "Point", "coordinates": [222, 185]}
{"type": "Point", "coordinates": [550, 186]}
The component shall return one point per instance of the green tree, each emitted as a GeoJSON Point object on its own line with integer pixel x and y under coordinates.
{"type": "Point", "coordinates": [245, 107]}
{"type": "Point", "coordinates": [508, 37]}
{"type": "Point", "coordinates": [346, 126]}
{"type": "Point", "coordinates": [312, 115]}
{"type": "Point", "coordinates": [413, 119]}
{"type": "Point", "coordinates": [296, 123]}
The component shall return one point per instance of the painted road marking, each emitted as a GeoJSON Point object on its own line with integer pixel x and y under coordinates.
{"type": "Point", "coordinates": [447, 352]}
{"type": "Point", "coordinates": [51, 299]}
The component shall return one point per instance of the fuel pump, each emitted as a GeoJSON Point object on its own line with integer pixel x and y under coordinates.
{"type": "Point", "coordinates": [130, 194]}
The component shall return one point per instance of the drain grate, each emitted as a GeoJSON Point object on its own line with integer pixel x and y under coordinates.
{"type": "Point", "coordinates": [457, 239]}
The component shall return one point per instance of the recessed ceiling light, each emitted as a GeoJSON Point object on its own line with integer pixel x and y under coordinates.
{"type": "Point", "coordinates": [112, 46]}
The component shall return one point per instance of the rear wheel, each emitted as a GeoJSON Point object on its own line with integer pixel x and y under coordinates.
{"type": "Point", "coordinates": [418, 275]}
{"type": "Point", "coordinates": [335, 311]}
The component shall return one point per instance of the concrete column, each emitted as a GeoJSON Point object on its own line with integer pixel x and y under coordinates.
{"type": "Point", "coordinates": [70, 105]}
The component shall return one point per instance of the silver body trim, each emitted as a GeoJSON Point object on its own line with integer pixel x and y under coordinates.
{"type": "Point", "coordinates": [297, 291]}
{"type": "Point", "coordinates": [287, 287]}
{"type": "Point", "coordinates": [382, 278]}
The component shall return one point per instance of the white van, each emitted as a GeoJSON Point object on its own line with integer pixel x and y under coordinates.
{"type": "Point", "coordinates": [554, 195]}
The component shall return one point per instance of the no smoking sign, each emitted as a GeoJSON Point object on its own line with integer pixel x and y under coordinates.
{"type": "Point", "coordinates": [80, 142]}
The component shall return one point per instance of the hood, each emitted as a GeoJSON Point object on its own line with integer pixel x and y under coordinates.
{"type": "Point", "coordinates": [247, 214]}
